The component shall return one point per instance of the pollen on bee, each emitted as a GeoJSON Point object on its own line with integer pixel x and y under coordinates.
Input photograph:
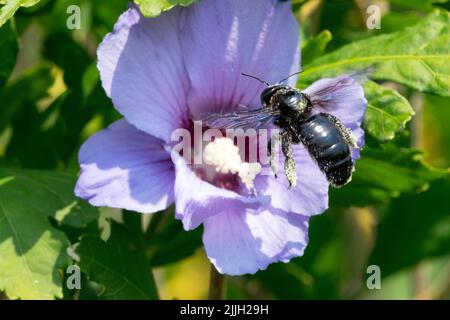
{"type": "Point", "coordinates": [224, 157]}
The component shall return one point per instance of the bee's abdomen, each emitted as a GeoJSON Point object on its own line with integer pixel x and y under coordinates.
{"type": "Point", "coordinates": [328, 147]}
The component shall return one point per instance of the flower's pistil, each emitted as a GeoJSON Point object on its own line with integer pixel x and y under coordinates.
{"type": "Point", "coordinates": [224, 156]}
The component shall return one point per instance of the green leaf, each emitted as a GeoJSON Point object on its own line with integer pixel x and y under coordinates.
{"type": "Point", "coordinates": [10, 7]}
{"type": "Point", "coordinates": [418, 56]}
{"type": "Point", "coordinates": [385, 173]}
{"type": "Point", "coordinates": [118, 264]}
{"type": "Point", "coordinates": [424, 5]}
{"type": "Point", "coordinates": [32, 250]}
{"type": "Point", "coordinates": [8, 52]}
{"type": "Point", "coordinates": [394, 21]}
{"type": "Point", "coordinates": [153, 8]}
{"type": "Point", "coordinates": [387, 112]}
{"type": "Point", "coordinates": [315, 46]}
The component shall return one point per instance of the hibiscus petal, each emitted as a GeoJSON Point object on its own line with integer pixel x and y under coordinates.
{"type": "Point", "coordinates": [123, 167]}
{"type": "Point", "coordinates": [221, 39]}
{"type": "Point", "coordinates": [196, 200]}
{"type": "Point", "coordinates": [359, 135]}
{"type": "Point", "coordinates": [310, 195]}
{"type": "Point", "coordinates": [239, 242]}
{"type": "Point", "coordinates": [142, 70]}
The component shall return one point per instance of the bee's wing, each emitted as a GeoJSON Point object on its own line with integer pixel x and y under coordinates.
{"type": "Point", "coordinates": [326, 92]}
{"type": "Point", "coordinates": [344, 98]}
{"type": "Point", "coordinates": [243, 118]}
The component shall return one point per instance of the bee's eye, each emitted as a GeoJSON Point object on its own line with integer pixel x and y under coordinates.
{"type": "Point", "coordinates": [268, 93]}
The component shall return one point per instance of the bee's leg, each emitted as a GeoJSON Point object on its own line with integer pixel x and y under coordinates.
{"type": "Point", "coordinates": [346, 132]}
{"type": "Point", "coordinates": [289, 162]}
{"type": "Point", "coordinates": [271, 152]}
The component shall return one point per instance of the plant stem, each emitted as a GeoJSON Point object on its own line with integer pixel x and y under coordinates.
{"type": "Point", "coordinates": [216, 285]}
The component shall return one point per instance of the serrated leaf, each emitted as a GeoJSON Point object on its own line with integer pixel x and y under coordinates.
{"type": "Point", "coordinates": [32, 250]}
{"type": "Point", "coordinates": [315, 46]}
{"type": "Point", "coordinates": [10, 7]}
{"type": "Point", "coordinates": [118, 264]}
{"type": "Point", "coordinates": [418, 56]}
{"type": "Point", "coordinates": [153, 8]}
{"type": "Point", "coordinates": [8, 52]}
{"type": "Point", "coordinates": [387, 112]}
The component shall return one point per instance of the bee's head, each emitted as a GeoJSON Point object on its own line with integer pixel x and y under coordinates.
{"type": "Point", "coordinates": [268, 94]}
{"type": "Point", "coordinates": [284, 98]}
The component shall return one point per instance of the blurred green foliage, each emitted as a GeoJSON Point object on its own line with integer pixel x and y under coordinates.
{"type": "Point", "coordinates": [394, 214]}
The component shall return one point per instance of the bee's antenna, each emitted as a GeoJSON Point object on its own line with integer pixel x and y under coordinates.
{"type": "Point", "coordinates": [256, 78]}
{"type": "Point", "coordinates": [294, 74]}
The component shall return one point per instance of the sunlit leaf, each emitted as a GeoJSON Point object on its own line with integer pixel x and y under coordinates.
{"type": "Point", "coordinates": [153, 8]}
{"type": "Point", "coordinates": [418, 56]}
{"type": "Point", "coordinates": [387, 112]}
{"type": "Point", "coordinates": [424, 5]}
{"type": "Point", "coordinates": [9, 8]}
{"type": "Point", "coordinates": [32, 250]}
{"type": "Point", "coordinates": [315, 46]}
{"type": "Point", "coordinates": [394, 21]}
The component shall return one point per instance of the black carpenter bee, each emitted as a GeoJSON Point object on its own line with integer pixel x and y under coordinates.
{"type": "Point", "coordinates": [327, 140]}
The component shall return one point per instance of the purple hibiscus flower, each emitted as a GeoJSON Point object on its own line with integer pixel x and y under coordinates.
{"type": "Point", "coordinates": [164, 73]}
